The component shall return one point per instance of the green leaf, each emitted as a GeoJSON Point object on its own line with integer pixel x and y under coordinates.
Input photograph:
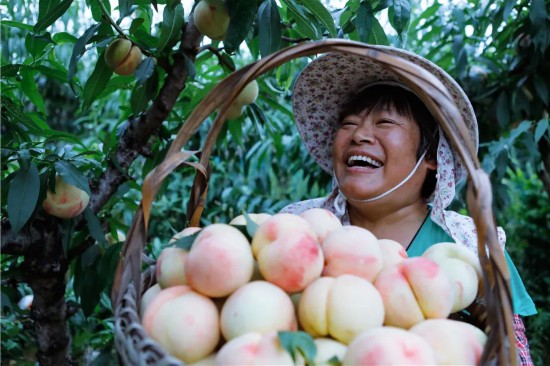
{"type": "Point", "coordinates": [125, 7]}
{"type": "Point", "coordinates": [304, 25]}
{"type": "Point", "coordinates": [190, 68]}
{"type": "Point", "coordinates": [364, 21]}
{"type": "Point", "coordinates": [242, 14]}
{"type": "Point", "coordinates": [186, 242]}
{"type": "Point", "coordinates": [79, 49]}
{"type": "Point", "coordinates": [145, 70]}
{"type": "Point", "coordinates": [58, 74]}
{"type": "Point", "coordinates": [53, 13]}
{"type": "Point", "coordinates": [30, 89]}
{"type": "Point", "coordinates": [299, 342]}
{"type": "Point", "coordinates": [136, 23]}
{"type": "Point", "coordinates": [542, 127]}
{"type": "Point", "coordinates": [460, 55]}
{"type": "Point", "coordinates": [321, 14]}
{"type": "Point", "coordinates": [399, 15]}
{"type": "Point", "coordinates": [142, 94]}
{"type": "Point", "coordinates": [72, 175]}
{"type": "Point", "coordinates": [251, 226]}
{"type": "Point", "coordinates": [94, 225]}
{"type": "Point", "coordinates": [35, 44]}
{"type": "Point", "coordinates": [14, 24]}
{"type": "Point", "coordinates": [503, 111]}
{"type": "Point", "coordinates": [23, 196]}
{"type": "Point", "coordinates": [97, 81]}
{"type": "Point", "coordinates": [10, 70]}
{"type": "Point", "coordinates": [269, 27]}
{"type": "Point", "coordinates": [108, 264]}
{"type": "Point", "coordinates": [171, 27]}
{"type": "Point", "coordinates": [378, 35]}
{"type": "Point", "coordinates": [14, 114]}
{"type": "Point", "coordinates": [63, 38]}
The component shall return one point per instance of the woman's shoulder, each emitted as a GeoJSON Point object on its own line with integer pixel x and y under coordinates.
{"type": "Point", "coordinates": [463, 230]}
{"type": "Point", "coordinates": [301, 206]}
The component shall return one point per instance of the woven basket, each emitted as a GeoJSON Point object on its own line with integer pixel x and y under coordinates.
{"type": "Point", "coordinates": [494, 316]}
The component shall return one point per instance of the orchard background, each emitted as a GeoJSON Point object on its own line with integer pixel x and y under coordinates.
{"type": "Point", "coordinates": [63, 111]}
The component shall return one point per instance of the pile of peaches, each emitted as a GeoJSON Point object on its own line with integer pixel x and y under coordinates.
{"type": "Point", "coordinates": [227, 298]}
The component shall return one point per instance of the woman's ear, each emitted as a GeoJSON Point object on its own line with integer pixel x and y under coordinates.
{"type": "Point", "coordinates": [431, 164]}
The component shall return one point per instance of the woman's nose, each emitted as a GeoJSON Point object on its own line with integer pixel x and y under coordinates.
{"type": "Point", "coordinates": [363, 134]}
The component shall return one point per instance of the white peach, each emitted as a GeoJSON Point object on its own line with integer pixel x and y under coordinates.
{"type": "Point", "coordinates": [463, 269]}
{"type": "Point", "coordinates": [414, 290]}
{"type": "Point", "coordinates": [454, 342]}
{"type": "Point", "coordinates": [287, 252]}
{"type": "Point", "coordinates": [68, 201]}
{"type": "Point", "coordinates": [183, 322]}
{"type": "Point", "coordinates": [352, 250]}
{"type": "Point", "coordinates": [388, 346]}
{"type": "Point", "coordinates": [257, 306]}
{"type": "Point", "coordinates": [170, 267]}
{"type": "Point", "coordinates": [392, 252]}
{"type": "Point", "coordinates": [322, 222]}
{"type": "Point", "coordinates": [258, 218]}
{"type": "Point", "coordinates": [340, 307]}
{"type": "Point", "coordinates": [253, 349]}
{"type": "Point", "coordinates": [220, 261]}
{"type": "Point", "coordinates": [327, 349]}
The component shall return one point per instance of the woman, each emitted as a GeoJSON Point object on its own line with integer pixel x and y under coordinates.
{"type": "Point", "coordinates": [393, 170]}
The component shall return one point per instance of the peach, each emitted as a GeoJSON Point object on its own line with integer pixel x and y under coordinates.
{"type": "Point", "coordinates": [392, 252]}
{"type": "Point", "coordinates": [287, 252]}
{"type": "Point", "coordinates": [327, 349]}
{"type": "Point", "coordinates": [388, 346]}
{"type": "Point", "coordinates": [414, 290]}
{"type": "Point", "coordinates": [454, 342]}
{"type": "Point", "coordinates": [352, 250]}
{"type": "Point", "coordinates": [207, 361]}
{"type": "Point", "coordinates": [123, 57]}
{"type": "Point", "coordinates": [184, 322]}
{"type": "Point", "coordinates": [68, 201]}
{"type": "Point", "coordinates": [211, 18]}
{"type": "Point", "coordinates": [340, 307]}
{"type": "Point", "coordinates": [253, 349]}
{"type": "Point", "coordinates": [148, 297]}
{"type": "Point", "coordinates": [234, 111]}
{"type": "Point", "coordinates": [321, 221]}
{"type": "Point", "coordinates": [170, 267]}
{"type": "Point", "coordinates": [248, 95]}
{"type": "Point", "coordinates": [220, 261]}
{"type": "Point", "coordinates": [463, 269]}
{"type": "Point", "coordinates": [258, 218]}
{"type": "Point", "coordinates": [257, 306]}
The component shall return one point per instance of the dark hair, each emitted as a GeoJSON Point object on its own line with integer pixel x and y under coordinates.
{"type": "Point", "coordinates": [407, 104]}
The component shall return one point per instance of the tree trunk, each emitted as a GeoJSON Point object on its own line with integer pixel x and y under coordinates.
{"type": "Point", "coordinates": [45, 273]}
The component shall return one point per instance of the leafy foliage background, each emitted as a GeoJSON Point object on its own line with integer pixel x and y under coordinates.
{"type": "Point", "coordinates": [63, 111]}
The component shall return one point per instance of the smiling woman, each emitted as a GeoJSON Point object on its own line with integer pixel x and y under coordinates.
{"type": "Point", "coordinates": [394, 173]}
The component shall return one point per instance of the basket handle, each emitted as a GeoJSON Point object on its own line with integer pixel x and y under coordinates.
{"type": "Point", "coordinates": [426, 86]}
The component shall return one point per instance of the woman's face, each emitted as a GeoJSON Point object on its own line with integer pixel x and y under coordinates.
{"type": "Point", "coordinates": [373, 152]}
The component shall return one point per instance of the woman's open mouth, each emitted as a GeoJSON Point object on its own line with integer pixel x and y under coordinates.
{"type": "Point", "coordinates": [363, 161]}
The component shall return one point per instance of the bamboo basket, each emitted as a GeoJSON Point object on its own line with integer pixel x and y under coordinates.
{"type": "Point", "coordinates": [493, 313]}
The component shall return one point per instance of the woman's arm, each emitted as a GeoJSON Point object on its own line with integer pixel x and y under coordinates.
{"type": "Point", "coordinates": [522, 345]}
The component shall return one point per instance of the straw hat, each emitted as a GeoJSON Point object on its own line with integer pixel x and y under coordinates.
{"type": "Point", "coordinates": [329, 81]}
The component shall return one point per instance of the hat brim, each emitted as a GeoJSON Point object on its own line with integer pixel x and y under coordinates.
{"type": "Point", "coordinates": [331, 80]}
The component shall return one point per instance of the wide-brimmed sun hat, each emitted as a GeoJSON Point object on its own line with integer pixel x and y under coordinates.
{"type": "Point", "coordinates": [331, 80]}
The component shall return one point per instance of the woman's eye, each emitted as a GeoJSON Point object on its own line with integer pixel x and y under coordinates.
{"type": "Point", "coordinates": [348, 123]}
{"type": "Point", "coordinates": [386, 121]}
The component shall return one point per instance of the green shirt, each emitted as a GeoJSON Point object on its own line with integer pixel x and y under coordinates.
{"type": "Point", "coordinates": [430, 233]}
